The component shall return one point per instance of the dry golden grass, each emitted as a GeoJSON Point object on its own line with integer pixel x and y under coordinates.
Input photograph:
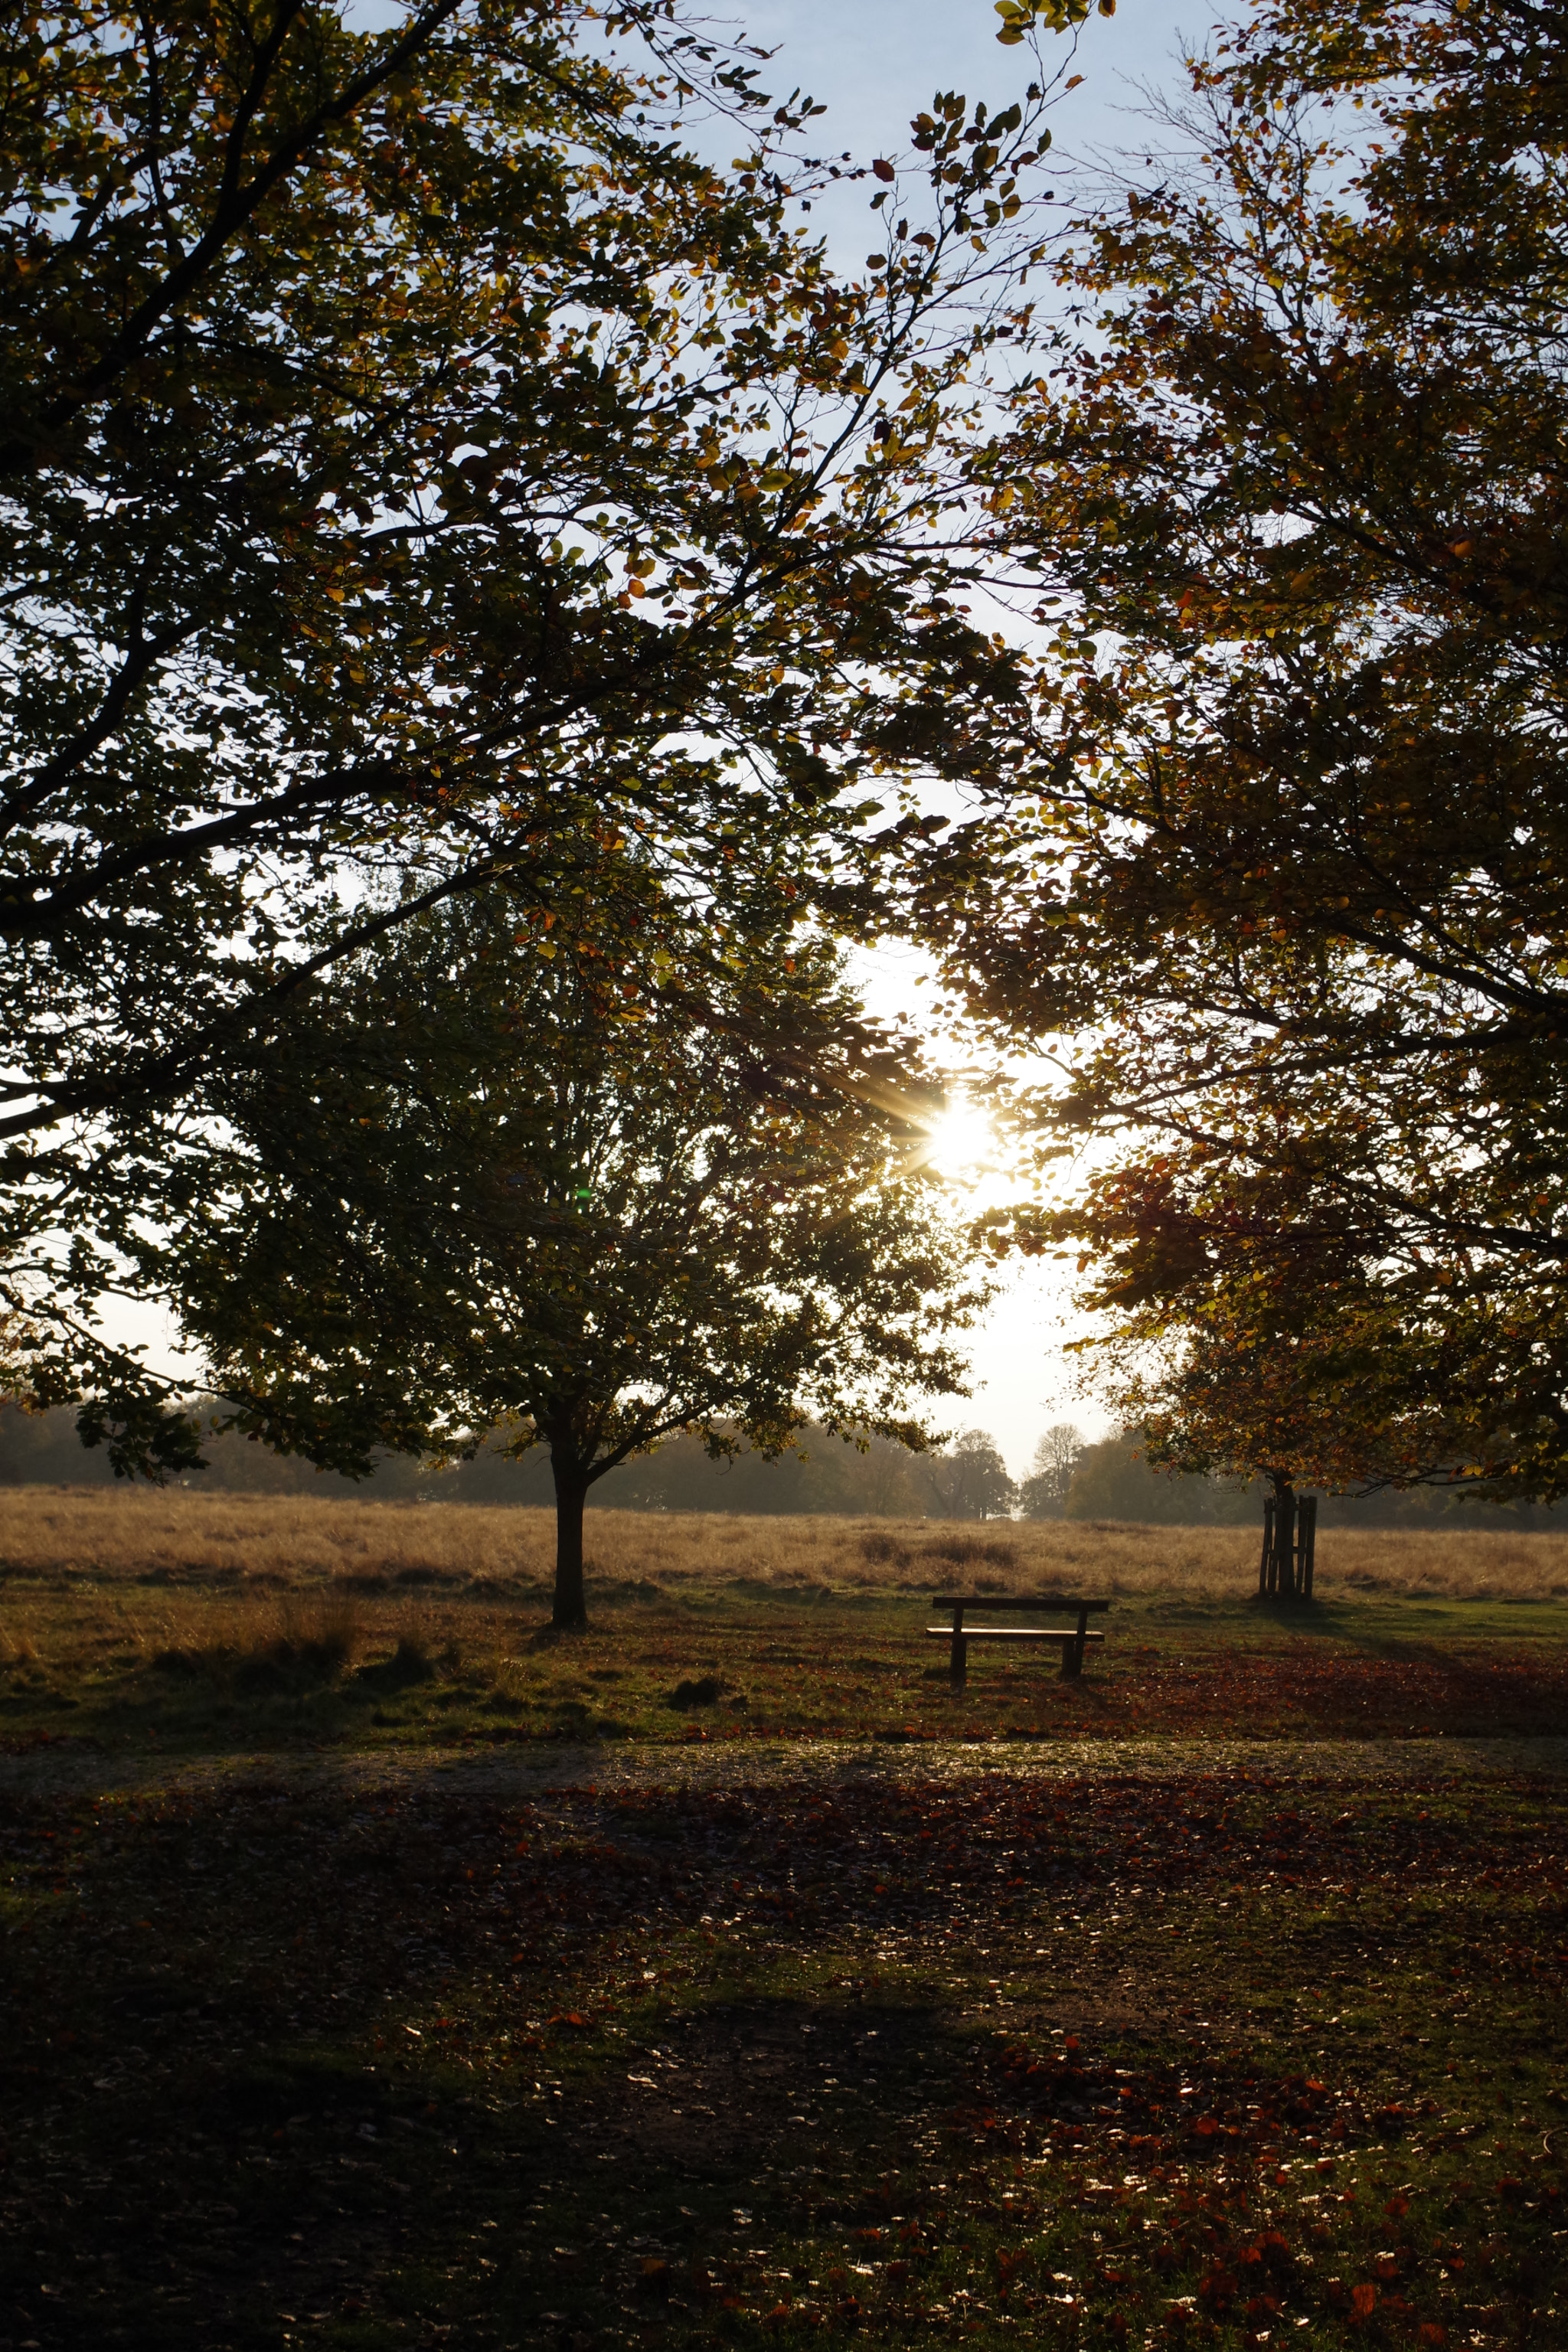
{"type": "Point", "coordinates": [250, 1545]}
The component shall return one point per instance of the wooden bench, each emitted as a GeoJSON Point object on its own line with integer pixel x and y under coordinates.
{"type": "Point", "coordinates": [1074, 1639]}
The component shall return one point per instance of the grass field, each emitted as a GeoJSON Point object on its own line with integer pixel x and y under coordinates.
{"type": "Point", "coordinates": [380, 1969]}
{"type": "Point", "coordinates": [171, 1536]}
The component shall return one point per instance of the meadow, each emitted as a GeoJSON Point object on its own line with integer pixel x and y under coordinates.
{"type": "Point", "coordinates": [177, 1535]}
{"type": "Point", "coordinates": [382, 1970]}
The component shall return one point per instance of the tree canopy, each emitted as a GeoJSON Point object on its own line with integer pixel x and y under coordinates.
{"type": "Point", "coordinates": [409, 446]}
{"type": "Point", "coordinates": [1283, 868]}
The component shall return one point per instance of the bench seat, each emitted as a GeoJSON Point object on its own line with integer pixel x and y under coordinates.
{"type": "Point", "coordinates": [1016, 1634]}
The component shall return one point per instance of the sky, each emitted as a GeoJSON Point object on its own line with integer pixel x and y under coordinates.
{"type": "Point", "coordinates": [875, 64]}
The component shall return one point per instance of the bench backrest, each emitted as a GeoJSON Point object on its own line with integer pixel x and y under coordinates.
{"type": "Point", "coordinates": [1019, 1600]}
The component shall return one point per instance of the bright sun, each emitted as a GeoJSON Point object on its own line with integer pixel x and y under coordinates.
{"type": "Point", "coordinates": [963, 1144]}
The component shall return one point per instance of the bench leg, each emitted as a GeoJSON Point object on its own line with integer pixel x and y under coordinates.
{"type": "Point", "coordinates": [1072, 1649]}
{"type": "Point", "coordinates": [960, 1662]}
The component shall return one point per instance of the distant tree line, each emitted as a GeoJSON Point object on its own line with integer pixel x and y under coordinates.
{"type": "Point", "coordinates": [1114, 1480]}
{"type": "Point", "coordinates": [966, 1479]}
{"type": "Point", "coordinates": [881, 1479]}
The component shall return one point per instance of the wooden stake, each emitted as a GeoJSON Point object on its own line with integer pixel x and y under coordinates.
{"type": "Point", "coordinates": [1308, 1545]}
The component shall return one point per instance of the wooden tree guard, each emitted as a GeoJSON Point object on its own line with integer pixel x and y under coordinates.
{"type": "Point", "coordinates": [1290, 1541]}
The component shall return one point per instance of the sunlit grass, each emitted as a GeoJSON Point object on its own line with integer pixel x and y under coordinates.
{"type": "Point", "coordinates": [157, 1539]}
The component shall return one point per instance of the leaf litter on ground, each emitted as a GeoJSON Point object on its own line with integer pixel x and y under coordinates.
{"type": "Point", "coordinates": [904, 2044]}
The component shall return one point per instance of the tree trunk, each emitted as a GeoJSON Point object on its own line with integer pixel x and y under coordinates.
{"type": "Point", "coordinates": [1282, 1581]}
{"type": "Point", "coordinates": [571, 1609]}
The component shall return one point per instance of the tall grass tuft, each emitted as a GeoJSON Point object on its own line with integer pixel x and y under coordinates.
{"type": "Point", "coordinates": [300, 1638]}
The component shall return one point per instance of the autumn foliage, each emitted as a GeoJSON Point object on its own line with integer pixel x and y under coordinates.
{"type": "Point", "coordinates": [1284, 848]}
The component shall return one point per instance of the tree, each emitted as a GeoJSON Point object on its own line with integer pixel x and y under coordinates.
{"type": "Point", "coordinates": [1248, 1340]}
{"type": "Point", "coordinates": [1285, 859]}
{"type": "Point", "coordinates": [967, 1478]}
{"type": "Point", "coordinates": [1043, 1494]}
{"type": "Point", "coordinates": [504, 1175]}
{"type": "Point", "coordinates": [410, 446]}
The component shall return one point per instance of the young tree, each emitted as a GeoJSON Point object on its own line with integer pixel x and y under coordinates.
{"type": "Point", "coordinates": [408, 445]}
{"type": "Point", "coordinates": [1287, 855]}
{"type": "Point", "coordinates": [1043, 1494]}
{"type": "Point", "coordinates": [503, 1175]}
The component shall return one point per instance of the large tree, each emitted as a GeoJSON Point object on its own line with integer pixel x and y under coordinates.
{"type": "Point", "coordinates": [503, 1175]}
{"type": "Point", "coordinates": [1284, 864]}
{"type": "Point", "coordinates": [408, 445]}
